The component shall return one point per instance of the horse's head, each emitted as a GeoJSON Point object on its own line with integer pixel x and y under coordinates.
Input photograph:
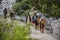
{"type": "Point", "coordinates": [43, 20]}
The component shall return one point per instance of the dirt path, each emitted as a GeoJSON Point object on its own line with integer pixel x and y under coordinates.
{"type": "Point", "coordinates": [39, 36]}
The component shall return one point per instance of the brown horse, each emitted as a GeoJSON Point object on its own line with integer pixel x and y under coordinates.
{"type": "Point", "coordinates": [42, 24]}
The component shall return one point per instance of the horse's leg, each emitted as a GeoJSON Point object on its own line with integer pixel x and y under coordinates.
{"type": "Point", "coordinates": [35, 26]}
{"type": "Point", "coordinates": [42, 29]}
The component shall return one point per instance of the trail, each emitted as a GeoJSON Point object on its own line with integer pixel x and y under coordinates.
{"type": "Point", "coordinates": [39, 36]}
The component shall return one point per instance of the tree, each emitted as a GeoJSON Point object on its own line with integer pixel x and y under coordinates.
{"type": "Point", "coordinates": [49, 7]}
{"type": "Point", "coordinates": [21, 6]}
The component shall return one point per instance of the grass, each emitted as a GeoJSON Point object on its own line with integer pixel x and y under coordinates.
{"type": "Point", "coordinates": [30, 24]}
{"type": "Point", "coordinates": [13, 31]}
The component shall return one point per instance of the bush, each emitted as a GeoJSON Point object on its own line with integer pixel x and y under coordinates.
{"type": "Point", "coordinates": [13, 31]}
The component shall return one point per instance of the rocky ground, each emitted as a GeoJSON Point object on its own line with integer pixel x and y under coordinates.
{"type": "Point", "coordinates": [39, 36]}
{"type": "Point", "coordinates": [56, 28]}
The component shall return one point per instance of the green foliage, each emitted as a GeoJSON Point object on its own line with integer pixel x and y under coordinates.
{"type": "Point", "coordinates": [18, 0]}
{"type": "Point", "coordinates": [20, 33]}
{"type": "Point", "coordinates": [21, 7]}
{"type": "Point", "coordinates": [5, 29]}
{"type": "Point", "coordinates": [13, 31]}
{"type": "Point", "coordinates": [48, 7]}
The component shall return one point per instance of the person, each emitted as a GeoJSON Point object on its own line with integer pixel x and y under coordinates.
{"type": "Point", "coordinates": [34, 18]}
{"type": "Point", "coordinates": [5, 12]}
{"type": "Point", "coordinates": [42, 24]}
{"type": "Point", "coordinates": [28, 18]}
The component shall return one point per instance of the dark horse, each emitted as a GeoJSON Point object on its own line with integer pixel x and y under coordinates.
{"type": "Point", "coordinates": [35, 20]}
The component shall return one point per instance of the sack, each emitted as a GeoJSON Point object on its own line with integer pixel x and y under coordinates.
{"type": "Point", "coordinates": [33, 21]}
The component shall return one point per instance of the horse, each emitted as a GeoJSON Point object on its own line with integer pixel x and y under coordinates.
{"type": "Point", "coordinates": [36, 21]}
{"type": "Point", "coordinates": [42, 24]}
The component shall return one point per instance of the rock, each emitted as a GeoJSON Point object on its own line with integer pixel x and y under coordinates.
{"type": "Point", "coordinates": [23, 18]}
{"type": "Point", "coordinates": [17, 17]}
{"type": "Point", "coordinates": [56, 27]}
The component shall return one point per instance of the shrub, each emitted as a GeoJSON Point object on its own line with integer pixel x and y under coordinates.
{"type": "Point", "coordinates": [13, 31]}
